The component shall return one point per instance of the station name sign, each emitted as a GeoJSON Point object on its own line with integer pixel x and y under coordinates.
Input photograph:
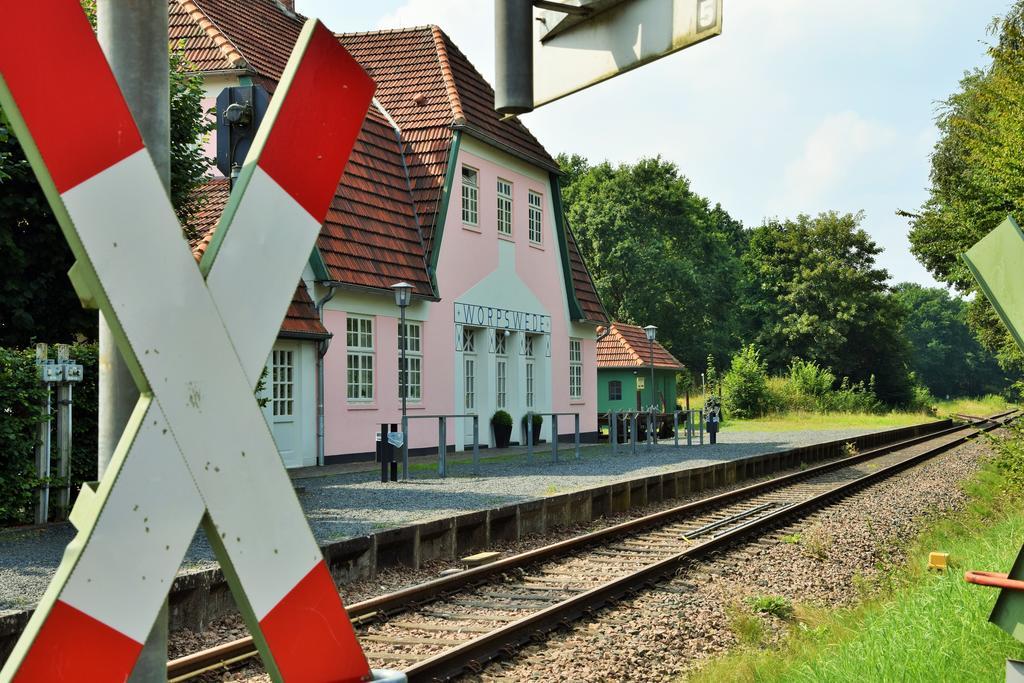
{"type": "Point", "coordinates": [502, 318]}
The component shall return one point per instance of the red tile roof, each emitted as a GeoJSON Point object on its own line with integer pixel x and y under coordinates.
{"type": "Point", "coordinates": [626, 346]}
{"type": "Point", "coordinates": [301, 319]}
{"type": "Point", "coordinates": [381, 225]}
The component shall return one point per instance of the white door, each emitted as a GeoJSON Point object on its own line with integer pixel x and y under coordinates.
{"type": "Point", "coordinates": [283, 410]}
{"type": "Point", "coordinates": [470, 379]}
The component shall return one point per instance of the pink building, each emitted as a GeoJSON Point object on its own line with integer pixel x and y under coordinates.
{"type": "Point", "coordinates": [440, 193]}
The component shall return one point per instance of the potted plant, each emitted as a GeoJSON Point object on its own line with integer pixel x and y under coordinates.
{"type": "Point", "coordinates": [538, 420]}
{"type": "Point", "coordinates": [502, 425]}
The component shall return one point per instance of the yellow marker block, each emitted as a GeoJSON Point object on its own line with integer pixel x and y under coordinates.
{"type": "Point", "coordinates": [480, 559]}
{"type": "Point", "coordinates": [938, 561]}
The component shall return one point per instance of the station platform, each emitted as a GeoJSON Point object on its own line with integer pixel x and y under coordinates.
{"type": "Point", "coordinates": [362, 523]}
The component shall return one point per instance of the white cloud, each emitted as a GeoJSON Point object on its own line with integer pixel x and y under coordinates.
{"type": "Point", "coordinates": [834, 150]}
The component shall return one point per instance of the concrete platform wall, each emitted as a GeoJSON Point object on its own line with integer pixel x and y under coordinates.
{"type": "Point", "coordinates": [199, 597]}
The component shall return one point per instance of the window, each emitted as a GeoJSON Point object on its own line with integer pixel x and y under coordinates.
{"type": "Point", "coordinates": [575, 369]}
{"type": "Point", "coordinates": [500, 342]}
{"type": "Point", "coordinates": [360, 358]}
{"type": "Point", "coordinates": [529, 384]}
{"type": "Point", "coordinates": [468, 340]}
{"type": "Point", "coordinates": [501, 371]}
{"type": "Point", "coordinates": [528, 352]}
{"type": "Point", "coordinates": [282, 383]}
{"type": "Point", "coordinates": [615, 390]}
{"type": "Point", "coordinates": [470, 381]}
{"type": "Point", "coordinates": [413, 358]}
{"type": "Point", "coordinates": [536, 217]}
{"type": "Point", "coordinates": [504, 207]}
{"type": "Point", "coordinates": [470, 194]}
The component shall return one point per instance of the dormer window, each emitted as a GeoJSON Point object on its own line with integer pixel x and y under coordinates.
{"type": "Point", "coordinates": [470, 195]}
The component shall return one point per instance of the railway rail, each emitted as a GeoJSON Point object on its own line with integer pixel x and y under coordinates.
{"type": "Point", "coordinates": [439, 629]}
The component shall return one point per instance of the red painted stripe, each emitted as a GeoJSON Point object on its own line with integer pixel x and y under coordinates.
{"type": "Point", "coordinates": [64, 89]}
{"type": "Point", "coordinates": [72, 646]}
{"type": "Point", "coordinates": [319, 121]}
{"type": "Point", "coordinates": [310, 635]}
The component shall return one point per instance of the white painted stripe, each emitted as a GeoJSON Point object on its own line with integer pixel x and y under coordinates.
{"type": "Point", "coordinates": [135, 548]}
{"type": "Point", "coordinates": [254, 276]}
{"type": "Point", "coordinates": [165, 308]}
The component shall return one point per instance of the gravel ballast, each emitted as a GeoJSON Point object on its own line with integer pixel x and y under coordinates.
{"type": "Point", "coordinates": [342, 506]}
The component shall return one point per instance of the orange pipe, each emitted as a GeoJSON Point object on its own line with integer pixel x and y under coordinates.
{"type": "Point", "coordinates": [994, 580]}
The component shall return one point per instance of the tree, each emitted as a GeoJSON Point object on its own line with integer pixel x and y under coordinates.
{"type": "Point", "coordinates": [37, 301]}
{"type": "Point", "coordinates": [945, 356]}
{"type": "Point", "coordinates": [813, 292]}
{"type": "Point", "coordinates": [658, 252]}
{"type": "Point", "coordinates": [977, 177]}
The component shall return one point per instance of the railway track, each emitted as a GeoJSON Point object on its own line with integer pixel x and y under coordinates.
{"type": "Point", "coordinates": [441, 628]}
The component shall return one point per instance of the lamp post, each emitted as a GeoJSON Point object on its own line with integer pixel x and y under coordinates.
{"type": "Point", "coordinates": [403, 295]}
{"type": "Point", "coordinates": [651, 332]}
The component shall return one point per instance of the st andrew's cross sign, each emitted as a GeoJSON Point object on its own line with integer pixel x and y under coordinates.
{"type": "Point", "coordinates": [197, 448]}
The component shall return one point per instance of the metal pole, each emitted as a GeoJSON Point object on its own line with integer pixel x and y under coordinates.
{"type": "Point", "coordinates": [405, 448]}
{"type": "Point", "coordinates": [675, 427]}
{"type": "Point", "coordinates": [700, 421]}
{"type": "Point", "coordinates": [63, 438]}
{"type": "Point", "coordinates": [554, 436]}
{"type": "Point", "coordinates": [133, 35]}
{"type": "Point", "coordinates": [405, 390]}
{"type": "Point", "coordinates": [613, 431]}
{"type": "Point", "coordinates": [689, 427]}
{"type": "Point", "coordinates": [476, 444]}
{"type": "Point", "coordinates": [513, 56]}
{"type": "Point", "coordinates": [42, 512]}
{"type": "Point", "coordinates": [442, 446]}
{"type": "Point", "coordinates": [577, 455]}
{"type": "Point", "coordinates": [529, 437]}
{"type": "Point", "coordinates": [650, 343]}
{"type": "Point", "coordinates": [632, 430]}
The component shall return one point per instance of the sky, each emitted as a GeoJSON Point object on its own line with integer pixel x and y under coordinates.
{"type": "Point", "coordinates": [800, 106]}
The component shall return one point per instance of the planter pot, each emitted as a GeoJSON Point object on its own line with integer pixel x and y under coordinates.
{"type": "Point", "coordinates": [536, 433]}
{"type": "Point", "coordinates": [502, 435]}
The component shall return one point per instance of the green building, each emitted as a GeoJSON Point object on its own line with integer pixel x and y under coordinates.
{"type": "Point", "coordinates": [624, 371]}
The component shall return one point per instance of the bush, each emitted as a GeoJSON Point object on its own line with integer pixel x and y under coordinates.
{"type": "Point", "coordinates": [21, 397]}
{"type": "Point", "coordinates": [1009, 457]}
{"type": "Point", "coordinates": [502, 419]}
{"type": "Point", "coordinates": [538, 421]}
{"type": "Point", "coordinates": [745, 385]}
{"type": "Point", "coordinates": [810, 379]}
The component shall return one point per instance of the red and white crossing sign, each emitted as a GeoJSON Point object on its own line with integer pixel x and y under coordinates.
{"type": "Point", "coordinates": [197, 448]}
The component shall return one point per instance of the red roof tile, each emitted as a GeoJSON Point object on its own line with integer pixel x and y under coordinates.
{"type": "Point", "coordinates": [626, 346]}
{"type": "Point", "coordinates": [381, 225]}
{"type": "Point", "coordinates": [301, 319]}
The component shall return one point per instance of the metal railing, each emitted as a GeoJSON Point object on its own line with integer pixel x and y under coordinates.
{"type": "Point", "coordinates": [442, 441]}
{"type": "Point", "coordinates": [630, 419]}
{"type": "Point", "coordinates": [554, 434]}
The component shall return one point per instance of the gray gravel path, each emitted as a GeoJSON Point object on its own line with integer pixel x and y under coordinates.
{"type": "Point", "coordinates": [346, 505]}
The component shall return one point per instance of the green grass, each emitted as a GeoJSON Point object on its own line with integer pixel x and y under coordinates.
{"type": "Point", "coordinates": [916, 625]}
{"type": "Point", "coordinates": [986, 405]}
{"type": "Point", "coordinates": [796, 421]}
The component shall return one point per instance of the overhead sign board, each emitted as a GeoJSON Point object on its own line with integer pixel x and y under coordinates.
{"type": "Point", "coordinates": [604, 38]}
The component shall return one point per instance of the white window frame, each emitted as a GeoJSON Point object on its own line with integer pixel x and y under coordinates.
{"type": "Point", "coordinates": [500, 369]}
{"type": "Point", "coordinates": [529, 383]}
{"type": "Point", "coordinates": [575, 369]}
{"type": "Point", "coordinates": [470, 195]}
{"type": "Point", "coordinates": [361, 365]}
{"type": "Point", "coordinates": [504, 215]}
{"type": "Point", "coordinates": [413, 358]}
{"type": "Point", "coordinates": [469, 382]}
{"type": "Point", "coordinates": [282, 382]}
{"type": "Point", "coordinates": [536, 217]}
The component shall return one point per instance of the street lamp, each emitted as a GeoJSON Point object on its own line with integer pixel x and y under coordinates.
{"type": "Point", "coordinates": [652, 332]}
{"type": "Point", "coordinates": [403, 295]}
